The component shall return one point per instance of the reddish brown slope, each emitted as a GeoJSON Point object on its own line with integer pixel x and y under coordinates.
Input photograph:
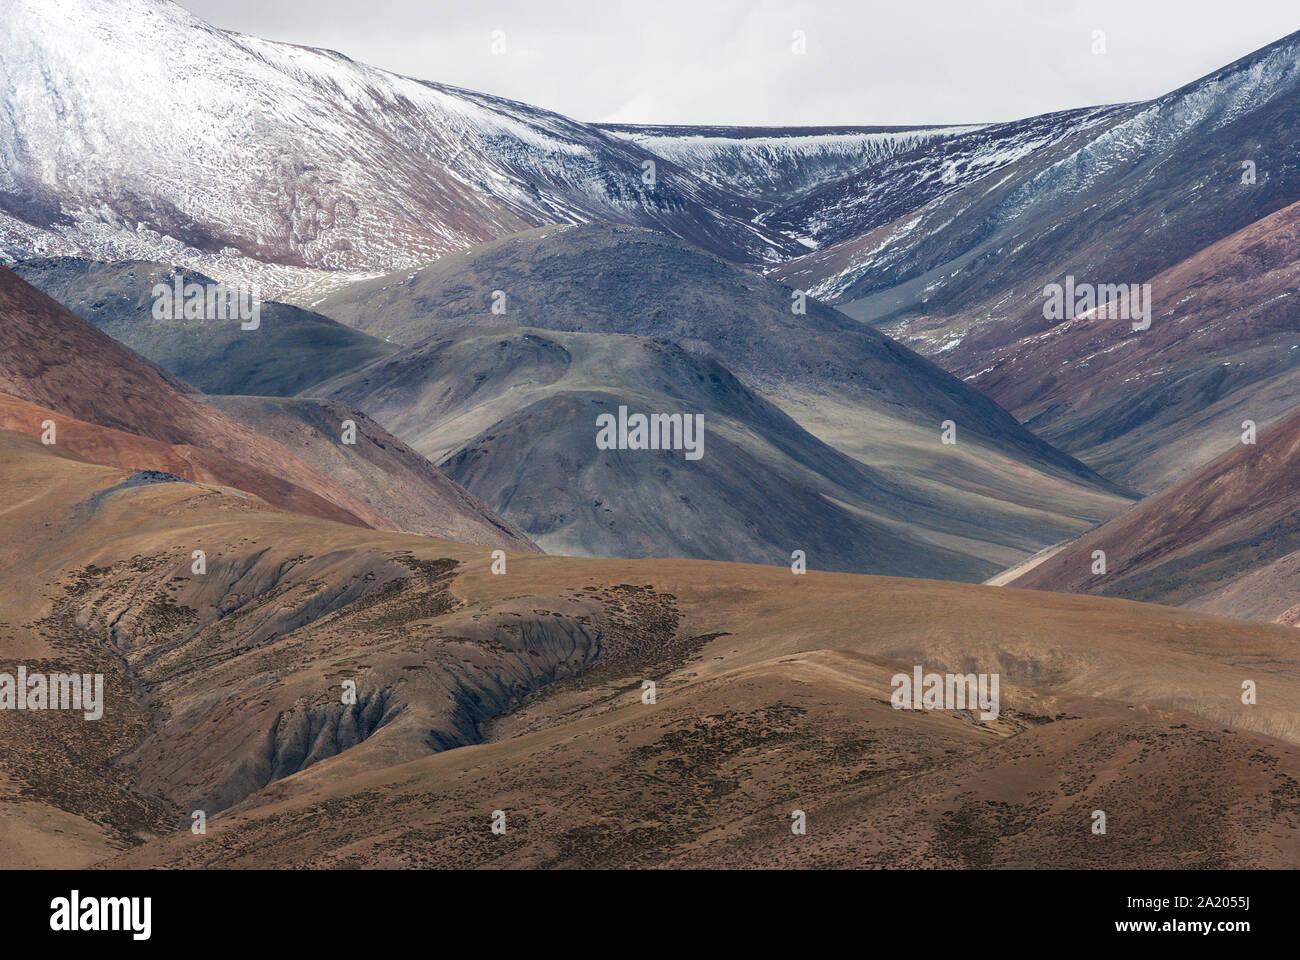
{"type": "Point", "coordinates": [104, 445]}
{"type": "Point", "coordinates": [522, 692]}
{"type": "Point", "coordinates": [1146, 406]}
{"type": "Point", "coordinates": [391, 477]}
{"type": "Point", "coordinates": [1226, 540]}
{"type": "Point", "coordinates": [54, 359]}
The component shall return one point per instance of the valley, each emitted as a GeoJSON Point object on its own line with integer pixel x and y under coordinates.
{"type": "Point", "coordinates": [422, 478]}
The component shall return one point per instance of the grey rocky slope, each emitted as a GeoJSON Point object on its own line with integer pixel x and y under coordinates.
{"type": "Point", "coordinates": [511, 413]}
{"type": "Point", "coordinates": [851, 387]}
{"type": "Point", "coordinates": [378, 468]}
{"type": "Point", "coordinates": [602, 278]}
{"type": "Point", "coordinates": [289, 350]}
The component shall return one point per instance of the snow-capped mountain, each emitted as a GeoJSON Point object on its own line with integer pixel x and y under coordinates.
{"type": "Point", "coordinates": [1190, 197]}
{"type": "Point", "coordinates": [906, 180]}
{"type": "Point", "coordinates": [1041, 194]}
{"type": "Point", "coordinates": [132, 129]}
{"type": "Point", "coordinates": [779, 164]}
{"type": "Point", "coordinates": [129, 129]}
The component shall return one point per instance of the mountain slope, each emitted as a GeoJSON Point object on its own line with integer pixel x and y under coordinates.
{"type": "Point", "coordinates": [54, 359]}
{"type": "Point", "coordinates": [380, 171]}
{"type": "Point", "coordinates": [902, 182]}
{"type": "Point", "coordinates": [289, 350]}
{"type": "Point", "coordinates": [849, 386]}
{"type": "Point", "coordinates": [511, 414]}
{"type": "Point", "coordinates": [1119, 195]}
{"type": "Point", "coordinates": [601, 278]}
{"type": "Point", "coordinates": [129, 451]}
{"type": "Point", "coordinates": [379, 469]}
{"type": "Point", "coordinates": [777, 164]}
{"type": "Point", "coordinates": [113, 407]}
{"type": "Point", "coordinates": [523, 692]}
{"type": "Point", "coordinates": [1147, 406]}
{"type": "Point", "coordinates": [1225, 540]}
{"type": "Point", "coordinates": [1158, 193]}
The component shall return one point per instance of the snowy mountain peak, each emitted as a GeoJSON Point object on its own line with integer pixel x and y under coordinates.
{"type": "Point", "coordinates": [134, 130]}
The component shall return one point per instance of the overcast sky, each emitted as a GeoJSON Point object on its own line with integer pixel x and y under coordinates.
{"type": "Point", "coordinates": [731, 61]}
